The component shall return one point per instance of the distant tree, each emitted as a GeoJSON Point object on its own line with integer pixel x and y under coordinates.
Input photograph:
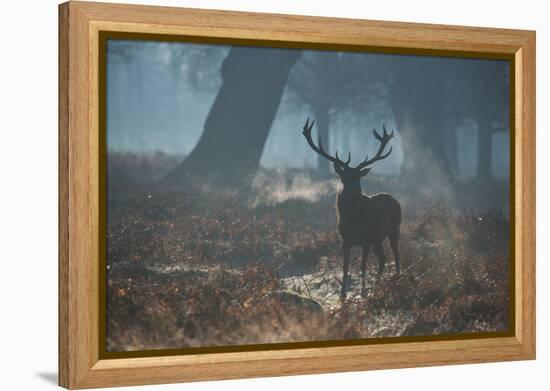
{"type": "Point", "coordinates": [492, 110]}
{"type": "Point", "coordinates": [120, 51]}
{"type": "Point", "coordinates": [479, 92]}
{"type": "Point", "coordinates": [332, 82]}
{"type": "Point", "coordinates": [192, 65]}
{"type": "Point", "coordinates": [418, 89]}
{"type": "Point", "coordinates": [125, 54]}
{"type": "Point", "coordinates": [430, 96]}
{"type": "Point", "coordinates": [198, 65]}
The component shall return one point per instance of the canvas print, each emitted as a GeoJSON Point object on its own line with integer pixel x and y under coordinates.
{"type": "Point", "coordinates": [267, 195]}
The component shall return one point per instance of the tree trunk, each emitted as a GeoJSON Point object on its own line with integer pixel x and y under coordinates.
{"type": "Point", "coordinates": [417, 97]}
{"type": "Point", "coordinates": [423, 147]}
{"type": "Point", "coordinates": [425, 167]}
{"type": "Point", "coordinates": [451, 147]}
{"type": "Point", "coordinates": [322, 121]}
{"type": "Point", "coordinates": [229, 150]}
{"type": "Point", "coordinates": [485, 149]}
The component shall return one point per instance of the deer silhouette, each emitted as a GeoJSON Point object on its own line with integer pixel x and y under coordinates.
{"type": "Point", "coordinates": [364, 221]}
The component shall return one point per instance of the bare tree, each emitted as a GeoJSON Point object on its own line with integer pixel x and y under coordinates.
{"type": "Point", "coordinates": [229, 150]}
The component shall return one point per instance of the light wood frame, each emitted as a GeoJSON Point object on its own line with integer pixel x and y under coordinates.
{"type": "Point", "coordinates": [79, 165]}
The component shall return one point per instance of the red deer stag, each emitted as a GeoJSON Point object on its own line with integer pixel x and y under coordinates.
{"type": "Point", "coordinates": [364, 221]}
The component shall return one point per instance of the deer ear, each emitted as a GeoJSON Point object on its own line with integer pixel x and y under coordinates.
{"type": "Point", "coordinates": [339, 170]}
{"type": "Point", "coordinates": [364, 171]}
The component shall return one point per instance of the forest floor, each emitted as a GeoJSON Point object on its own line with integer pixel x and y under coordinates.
{"type": "Point", "coordinates": [190, 269]}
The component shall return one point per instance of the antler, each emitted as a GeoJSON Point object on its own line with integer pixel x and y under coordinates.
{"type": "Point", "coordinates": [319, 149]}
{"type": "Point", "coordinates": [384, 139]}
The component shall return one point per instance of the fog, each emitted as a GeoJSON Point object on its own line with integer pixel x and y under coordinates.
{"type": "Point", "coordinates": [222, 217]}
{"type": "Point", "coordinates": [159, 96]}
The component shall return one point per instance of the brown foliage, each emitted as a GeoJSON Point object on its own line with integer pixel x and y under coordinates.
{"type": "Point", "coordinates": [205, 269]}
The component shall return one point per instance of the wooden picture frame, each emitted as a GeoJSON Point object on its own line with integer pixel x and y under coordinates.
{"type": "Point", "coordinates": [81, 164]}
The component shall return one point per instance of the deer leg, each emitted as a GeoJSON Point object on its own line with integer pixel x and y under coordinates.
{"type": "Point", "coordinates": [379, 251]}
{"type": "Point", "coordinates": [347, 251]}
{"type": "Point", "coordinates": [364, 257]}
{"type": "Point", "coordinates": [394, 243]}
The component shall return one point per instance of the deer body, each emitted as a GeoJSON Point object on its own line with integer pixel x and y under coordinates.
{"type": "Point", "coordinates": [367, 220]}
{"type": "Point", "coordinates": [363, 221]}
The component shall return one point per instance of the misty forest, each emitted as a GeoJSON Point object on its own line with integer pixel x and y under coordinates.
{"type": "Point", "coordinates": [235, 206]}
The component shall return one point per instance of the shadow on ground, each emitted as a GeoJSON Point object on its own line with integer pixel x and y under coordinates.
{"type": "Point", "coordinates": [48, 377]}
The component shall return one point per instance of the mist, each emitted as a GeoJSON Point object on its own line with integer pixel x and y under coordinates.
{"type": "Point", "coordinates": [226, 226]}
{"type": "Point", "coordinates": [159, 95]}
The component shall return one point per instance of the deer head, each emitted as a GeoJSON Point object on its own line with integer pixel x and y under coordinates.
{"type": "Point", "coordinates": [350, 176]}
